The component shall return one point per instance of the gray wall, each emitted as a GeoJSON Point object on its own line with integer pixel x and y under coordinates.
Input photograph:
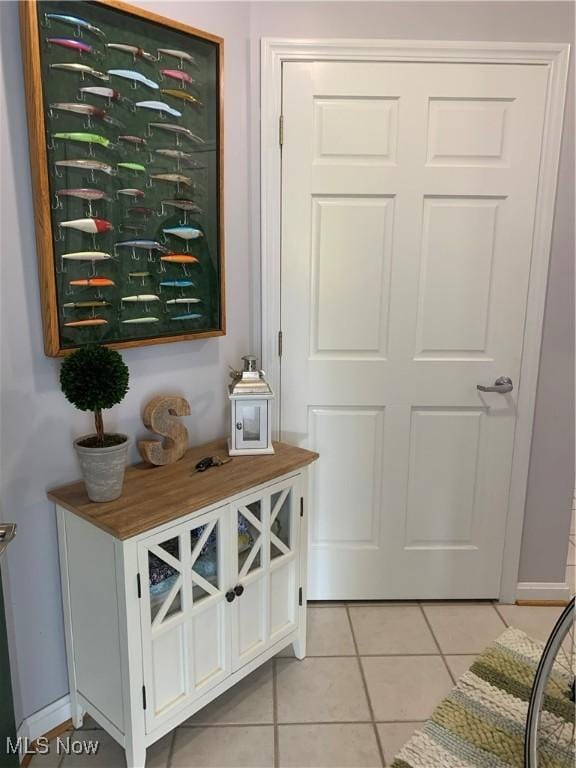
{"type": "Point", "coordinates": [37, 423]}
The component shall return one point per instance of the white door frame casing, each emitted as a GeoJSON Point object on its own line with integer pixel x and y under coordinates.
{"type": "Point", "coordinates": [555, 56]}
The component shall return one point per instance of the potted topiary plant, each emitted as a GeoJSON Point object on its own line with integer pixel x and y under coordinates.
{"type": "Point", "coordinates": [95, 378]}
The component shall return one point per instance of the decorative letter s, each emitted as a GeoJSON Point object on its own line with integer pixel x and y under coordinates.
{"type": "Point", "coordinates": [159, 416]}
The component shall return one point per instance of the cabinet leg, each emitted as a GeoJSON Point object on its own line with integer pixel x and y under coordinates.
{"type": "Point", "coordinates": [299, 646]}
{"type": "Point", "coordinates": [77, 712]}
{"type": "Point", "coordinates": [135, 756]}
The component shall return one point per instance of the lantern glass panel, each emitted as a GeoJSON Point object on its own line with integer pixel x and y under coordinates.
{"type": "Point", "coordinates": [251, 427]}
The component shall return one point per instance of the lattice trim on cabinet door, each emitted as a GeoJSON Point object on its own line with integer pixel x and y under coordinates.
{"type": "Point", "coordinates": [200, 581]}
{"type": "Point", "coordinates": [166, 556]}
{"type": "Point", "coordinates": [257, 546]}
{"type": "Point", "coordinates": [167, 604]}
{"type": "Point", "coordinates": [278, 543]}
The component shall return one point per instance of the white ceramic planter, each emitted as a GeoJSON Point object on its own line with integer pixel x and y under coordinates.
{"type": "Point", "coordinates": [103, 469]}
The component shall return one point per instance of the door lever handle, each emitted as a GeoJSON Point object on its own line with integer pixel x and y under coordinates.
{"type": "Point", "coordinates": [502, 385]}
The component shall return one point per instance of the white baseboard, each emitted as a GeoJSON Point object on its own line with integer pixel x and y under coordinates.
{"type": "Point", "coordinates": [537, 590]}
{"type": "Point", "coordinates": [46, 719]}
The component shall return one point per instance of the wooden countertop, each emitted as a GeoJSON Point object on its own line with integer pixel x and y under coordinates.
{"type": "Point", "coordinates": [153, 496]}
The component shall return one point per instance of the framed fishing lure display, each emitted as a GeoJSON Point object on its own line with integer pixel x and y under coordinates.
{"type": "Point", "coordinates": [125, 128]}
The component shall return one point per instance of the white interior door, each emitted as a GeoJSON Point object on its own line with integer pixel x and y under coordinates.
{"type": "Point", "coordinates": [408, 197]}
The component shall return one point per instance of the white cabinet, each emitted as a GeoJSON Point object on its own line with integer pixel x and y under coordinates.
{"type": "Point", "coordinates": [160, 622]}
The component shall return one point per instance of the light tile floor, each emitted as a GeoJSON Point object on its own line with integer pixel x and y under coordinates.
{"type": "Point", "coordinates": [373, 673]}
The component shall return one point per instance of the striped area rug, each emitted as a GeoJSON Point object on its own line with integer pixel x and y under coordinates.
{"type": "Point", "coordinates": [480, 724]}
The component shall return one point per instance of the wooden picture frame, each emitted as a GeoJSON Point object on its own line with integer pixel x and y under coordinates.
{"type": "Point", "coordinates": [117, 319]}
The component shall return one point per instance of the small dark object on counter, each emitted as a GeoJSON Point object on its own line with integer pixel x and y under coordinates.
{"type": "Point", "coordinates": [210, 461]}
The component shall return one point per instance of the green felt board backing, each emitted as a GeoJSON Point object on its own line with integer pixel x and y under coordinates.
{"type": "Point", "coordinates": [148, 214]}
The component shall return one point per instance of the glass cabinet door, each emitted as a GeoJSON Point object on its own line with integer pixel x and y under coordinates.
{"type": "Point", "coordinates": [183, 612]}
{"type": "Point", "coordinates": [265, 602]}
{"type": "Point", "coordinates": [250, 590]}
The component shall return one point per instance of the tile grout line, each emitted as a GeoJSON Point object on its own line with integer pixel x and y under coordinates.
{"type": "Point", "coordinates": [171, 748]}
{"type": "Point", "coordinates": [426, 619]}
{"type": "Point", "coordinates": [500, 616]}
{"type": "Point", "coordinates": [200, 726]}
{"type": "Point", "coordinates": [367, 694]}
{"type": "Point", "coordinates": [275, 713]}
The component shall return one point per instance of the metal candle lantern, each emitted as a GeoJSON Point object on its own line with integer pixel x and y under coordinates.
{"type": "Point", "coordinates": [251, 401]}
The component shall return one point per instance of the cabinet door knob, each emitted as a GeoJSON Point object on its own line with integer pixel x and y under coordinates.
{"type": "Point", "coordinates": [230, 596]}
{"type": "Point", "coordinates": [238, 589]}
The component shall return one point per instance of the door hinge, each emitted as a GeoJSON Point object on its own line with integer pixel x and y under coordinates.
{"type": "Point", "coordinates": [300, 596]}
{"type": "Point", "coordinates": [138, 585]}
{"type": "Point", "coordinates": [143, 697]}
{"type": "Point", "coordinates": [301, 506]}
{"type": "Point", "coordinates": [279, 343]}
{"type": "Point", "coordinates": [281, 130]}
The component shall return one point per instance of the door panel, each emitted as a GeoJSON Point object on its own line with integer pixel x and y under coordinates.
{"type": "Point", "coordinates": [408, 204]}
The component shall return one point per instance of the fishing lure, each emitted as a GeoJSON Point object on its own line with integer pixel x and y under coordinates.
{"type": "Point", "coordinates": [177, 154]}
{"type": "Point", "coordinates": [77, 108]}
{"type": "Point", "coordinates": [131, 192]}
{"type": "Point", "coordinates": [193, 316]}
{"type": "Point", "coordinates": [91, 225]}
{"type": "Point", "coordinates": [184, 300]}
{"type": "Point", "coordinates": [89, 321]}
{"type": "Point", "coordinates": [158, 106]}
{"type": "Point", "coordinates": [136, 140]}
{"type": "Point", "coordinates": [179, 130]}
{"type": "Point", "coordinates": [93, 282]}
{"type": "Point", "coordinates": [65, 42]}
{"type": "Point", "coordinates": [183, 205]}
{"type": "Point", "coordinates": [113, 121]}
{"type": "Point", "coordinates": [132, 166]}
{"type": "Point", "coordinates": [176, 284]}
{"type": "Point", "coordinates": [87, 165]}
{"type": "Point", "coordinates": [106, 93]}
{"type": "Point", "coordinates": [148, 319]}
{"type": "Point", "coordinates": [149, 245]}
{"type": "Point", "coordinates": [135, 77]}
{"type": "Point", "coordinates": [75, 21]}
{"type": "Point", "coordinates": [141, 210]}
{"type": "Point", "coordinates": [181, 94]}
{"type": "Point", "coordinates": [178, 74]}
{"type": "Point", "coordinates": [82, 69]}
{"type": "Point", "coordinates": [92, 304]}
{"type": "Point", "coordinates": [180, 258]}
{"type": "Point", "coordinates": [87, 138]}
{"type": "Point", "coordinates": [182, 55]}
{"type": "Point", "coordinates": [134, 50]}
{"type": "Point", "coordinates": [144, 297]}
{"type": "Point", "coordinates": [176, 178]}
{"type": "Point", "coordinates": [87, 109]}
{"type": "Point", "coordinates": [82, 193]}
{"type": "Point", "coordinates": [142, 275]}
{"type": "Point", "coordinates": [186, 233]}
{"type": "Point", "coordinates": [86, 256]}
